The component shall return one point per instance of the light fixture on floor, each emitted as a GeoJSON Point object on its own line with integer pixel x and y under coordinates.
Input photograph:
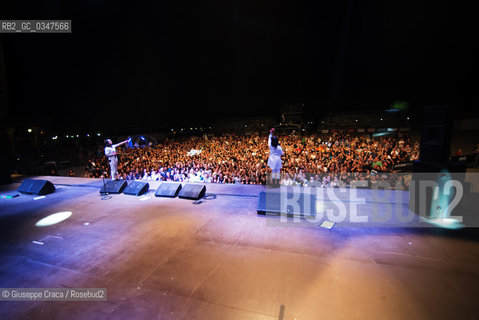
{"type": "Point", "coordinates": [327, 224]}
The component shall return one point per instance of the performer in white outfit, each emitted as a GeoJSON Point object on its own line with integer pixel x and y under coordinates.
{"type": "Point", "coordinates": [274, 160]}
{"type": "Point", "coordinates": [110, 152]}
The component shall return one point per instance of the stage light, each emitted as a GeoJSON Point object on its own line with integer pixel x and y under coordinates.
{"type": "Point", "coordinates": [440, 212]}
{"type": "Point", "coordinates": [87, 135]}
{"type": "Point", "coordinates": [98, 134]}
{"type": "Point", "coordinates": [53, 219]}
{"type": "Point", "coordinates": [381, 119]}
{"type": "Point", "coordinates": [446, 223]}
{"type": "Point", "coordinates": [29, 130]}
{"type": "Point", "coordinates": [407, 118]}
{"type": "Point", "coordinates": [380, 134]}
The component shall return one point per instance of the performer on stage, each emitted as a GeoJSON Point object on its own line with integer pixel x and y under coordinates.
{"type": "Point", "coordinates": [274, 160]}
{"type": "Point", "coordinates": [110, 152]}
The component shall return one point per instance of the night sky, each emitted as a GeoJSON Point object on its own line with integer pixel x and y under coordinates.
{"type": "Point", "coordinates": [160, 63]}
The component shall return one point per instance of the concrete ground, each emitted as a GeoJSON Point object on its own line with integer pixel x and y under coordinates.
{"type": "Point", "coordinates": [163, 258]}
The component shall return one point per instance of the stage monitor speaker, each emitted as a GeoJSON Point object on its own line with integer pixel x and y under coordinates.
{"type": "Point", "coordinates": [303, 204]}
{"type": "Point", "coordinates": [192, 191]}
{"type": "Point", "coordinates": [436, 135]}
{"type": "Point", "coordinates": [113, 186]}
{"type": "Point", "coordinates": [40, 187]}
{"type": "Point", "coordinates": [168, 190]}
{"type": "Point", "coordinates": [136, 188]}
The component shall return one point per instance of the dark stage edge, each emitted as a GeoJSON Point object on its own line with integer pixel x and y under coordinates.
{"type": "Point", "coordinates": [164, 258]}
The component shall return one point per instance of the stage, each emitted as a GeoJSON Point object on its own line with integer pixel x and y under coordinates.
{"type": "Point", "coordinates": [163, 258]}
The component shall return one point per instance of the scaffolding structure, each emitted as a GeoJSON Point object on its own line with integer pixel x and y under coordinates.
{"type": "Point", "coordinates": [291, 116]}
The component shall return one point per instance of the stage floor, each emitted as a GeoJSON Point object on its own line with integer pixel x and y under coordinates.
{"type": "Point", "coordinates": [163, 258]}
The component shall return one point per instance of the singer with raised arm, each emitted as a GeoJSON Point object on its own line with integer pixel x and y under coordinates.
{"type": "Point", "coordinates": [274, 160]}
{"type": "Point", "coordinates": [110, 152]}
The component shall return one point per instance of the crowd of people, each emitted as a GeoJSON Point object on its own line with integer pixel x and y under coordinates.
{"type": "Point", "coordinates": [315, 160]}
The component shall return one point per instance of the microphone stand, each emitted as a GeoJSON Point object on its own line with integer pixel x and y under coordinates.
{"type": "Point", "coordinates": [105, 195]}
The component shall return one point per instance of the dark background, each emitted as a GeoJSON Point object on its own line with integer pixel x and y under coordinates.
{"type": "Point", "coordinates": [164, 63]}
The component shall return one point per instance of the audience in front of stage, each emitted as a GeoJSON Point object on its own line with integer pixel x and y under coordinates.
{"type": "Point", "coordinates": [328, 160]}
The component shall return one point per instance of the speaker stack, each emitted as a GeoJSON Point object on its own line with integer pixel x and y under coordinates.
{"type": "Point", "coordinates": [435, 137]}
{"type": "Point", "coordinates": [434, 164]}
